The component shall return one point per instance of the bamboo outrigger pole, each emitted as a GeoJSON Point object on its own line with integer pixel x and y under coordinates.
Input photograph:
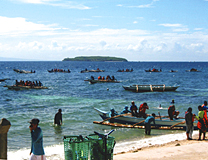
{"type": "Point", "coordinates": [120, 115]}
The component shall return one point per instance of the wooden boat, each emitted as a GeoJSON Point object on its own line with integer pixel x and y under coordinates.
{"type": "Point", "coordinates": [126, 120]}
{"type": "Point", "coordinates": [153, 70]}
{"type": "Point", "coordinates": [127, 70]}
{"type": "Point", "coordinates": [92, 70]}
{"type": "Point", "coordinates": [20, 87]}
{"type": "Point", "coordinates": [4, 79]}
{"type": "Point", "coordinates": [150, 88]}
{"type": "Point", "coordinates": [173, 71]}
{"type": "Point", "coordinates": [59, 71]}
{"type": "Point", "coordinates": [193, 70]}
{"type": "Point", "coordinates": [102, 81]}
{"type": "Point", "coordinates": [23, 71]}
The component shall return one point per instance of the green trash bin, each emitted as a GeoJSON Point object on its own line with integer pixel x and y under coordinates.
{"type": "Point", "coordinates": [76, 148]}
{"type": "Point", "coordinates": [98, 150]}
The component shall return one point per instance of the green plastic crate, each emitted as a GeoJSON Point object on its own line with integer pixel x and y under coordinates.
{"type": "Point", "coordinates": [97, 149]}
{"type": "Point", "coordinates": [76, 148]}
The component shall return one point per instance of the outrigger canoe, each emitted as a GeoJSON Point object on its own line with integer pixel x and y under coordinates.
{"type": "Point", "coordinates": [2, 80]}
{"type": "Point", "coordinates": [23, 71]}
{"type": "Point", "coordinates": [85, 71]}
{"type": "Point", "coordinates": [14, 87]}
{"type": "Point", "coordinates": [61, 71]}
{"type": "Point", "coordinates": [150, 88]}
{"type": "Point", "coordinates": [153, 70]}
{"type": "Point", "coordinates": [102, 81]}
{"type": "Point", "coordinates": [193, 70]}
{"type": "Point", "coordinates": [126, 120]}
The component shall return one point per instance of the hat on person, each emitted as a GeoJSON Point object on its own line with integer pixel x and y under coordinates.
{"type": "Point", "coordinates": [34, 121]}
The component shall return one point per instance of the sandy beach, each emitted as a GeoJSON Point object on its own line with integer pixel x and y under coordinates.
{"type": "Point", "coordinates": [185, 149]}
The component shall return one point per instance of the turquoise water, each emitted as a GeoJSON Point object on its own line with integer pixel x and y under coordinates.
{"type": "Point", "coordinates": [77, 98]}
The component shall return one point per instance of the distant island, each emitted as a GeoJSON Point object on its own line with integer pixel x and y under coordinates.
{"type": "Point", "coordinates": [95, 58]}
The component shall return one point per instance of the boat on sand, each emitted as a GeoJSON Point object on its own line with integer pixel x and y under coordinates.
{"type": "Point", "coordinates": [150, 88]}
{"type": "Point", "coordinates": [129, 121]}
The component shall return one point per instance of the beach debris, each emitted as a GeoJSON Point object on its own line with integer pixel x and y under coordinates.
{"type": "Point", "coordinates": [178, 144]}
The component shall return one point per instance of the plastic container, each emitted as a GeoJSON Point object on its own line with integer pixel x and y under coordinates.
{"type": "Point", "coordinates": [101, 148]}
{"type": "Point", "coordinates": [76, 148]}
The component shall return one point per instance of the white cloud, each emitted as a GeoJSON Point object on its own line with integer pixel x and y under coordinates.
{"type": "Point", "coordinates": [170, 25]}
{"type": "Point", "coordinates": [198, 29]}
{"type": "Point", "coordinates": [15, 26]}
{"type": "Point", "coordinates": [57, 3]}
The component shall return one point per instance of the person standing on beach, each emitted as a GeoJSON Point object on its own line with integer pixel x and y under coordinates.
{"type": "Point", "coordinates": [147, 123]}
{"type": "Point", "coordinates": [58, 118]}
{"type": "Point", "coordinates": [189, 118]}
{"type": "Point", "coordinates": [201, 122]}
{"type": "Point", "coordinates": [37, 151]}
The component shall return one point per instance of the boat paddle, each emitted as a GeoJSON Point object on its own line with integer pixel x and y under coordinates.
{"type": "Point", "coordinates": [177, 124]}
{"type": "Point", "coordinates": [120, 115]}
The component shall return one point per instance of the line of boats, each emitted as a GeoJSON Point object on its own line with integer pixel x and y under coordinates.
{"type": "Point", "coordinates": [99, 70]}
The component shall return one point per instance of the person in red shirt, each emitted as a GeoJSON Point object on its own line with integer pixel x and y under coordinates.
{"type": "Point", "coordinates": [142, 110]}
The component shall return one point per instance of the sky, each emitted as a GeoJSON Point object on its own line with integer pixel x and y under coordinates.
{"type": "Point", "coordinates": [138, 30]}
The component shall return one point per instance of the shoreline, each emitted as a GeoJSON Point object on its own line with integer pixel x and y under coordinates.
{"type": "Point", "coordinates": [178, 149]}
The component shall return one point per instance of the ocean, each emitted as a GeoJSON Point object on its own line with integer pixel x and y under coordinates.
{"type": "Point", "coordinates": [77, 98]}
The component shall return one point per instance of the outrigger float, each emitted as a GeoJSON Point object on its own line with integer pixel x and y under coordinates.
{"type": "Point", "coordinates": [128, 121]}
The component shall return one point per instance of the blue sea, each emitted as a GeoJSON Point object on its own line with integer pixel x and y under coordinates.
{"type": "Point", "coordinates": [77, 98]}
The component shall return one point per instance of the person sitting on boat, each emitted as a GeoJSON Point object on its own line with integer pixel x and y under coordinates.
{"type": "Point", "coordinates": [133, 109]}
{"type": "Point", "coordinates": [125, 110]}
{"type": "Point", "coordinates": [69, 71]}
{"type": "Point", "coordinates": [108, 77]}
{"type": "Point", "coordinates": [92, 78]}
{"type": "Point", "coordinates": [201, 122]}
{"type": "Point", "coordinates": [100, 77]}
{"type": "Point", "coordinates": [142, 110]}
{"type": "Point", "coordinates": [113, 112]}
{"type": "Point", "coordinates": [103, 78]}
{"type": "Point", "coordinates": [172, 112]}
{"type": "Point", "coordinates": [147, 123]}
{"type": "Point", "coordinates": [131, 69]}
{"type": "Point", "coordinates": [39, 84]}
{"type": "Point", "coordinates": [113, 78]}
{"type": "Point", "coordinates": [17, 83]}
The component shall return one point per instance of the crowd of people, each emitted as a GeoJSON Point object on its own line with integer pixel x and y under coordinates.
{"type": "Point", "coordinates": [28, 83]}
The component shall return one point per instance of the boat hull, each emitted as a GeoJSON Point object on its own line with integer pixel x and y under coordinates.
{"type": "Point", "coordinates": [14, 87]}
{"type": "Point", "coordinates": [150, 88]}
{"type": "Point", "coordinates": [102, 81]}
